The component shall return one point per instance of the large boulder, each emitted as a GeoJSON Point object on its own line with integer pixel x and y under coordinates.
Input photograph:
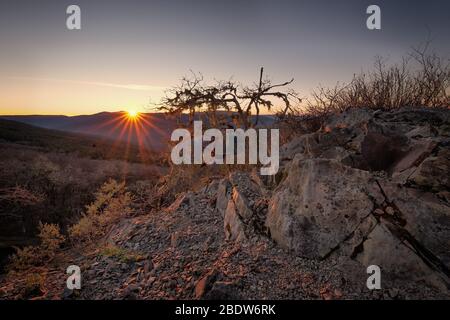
{"type": "Point", "coordinates": [318, 205]}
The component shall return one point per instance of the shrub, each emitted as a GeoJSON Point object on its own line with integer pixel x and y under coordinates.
{"type": "Point", "coordinates": [20, 195]}
{"type": "Point", "coordinates": [50, 241]}
{"type": "Point", "coordinates": [421, 79]}
{"type": "Point", "coordinates": [34, 286]}
{"type": "Point", "coordinates": [182, 178]}
{"type": "Point", "coordinates": [112, 202]}
{"type": "Point", "coordinates": [24, 259]}
{"type": "Point", "coordinates": [85, 229]}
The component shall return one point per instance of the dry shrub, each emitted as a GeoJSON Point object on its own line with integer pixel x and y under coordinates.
{"type": "Point", "coordinates": [112, 202]}
{"type": "Point", "coordinates": [20, 195]}
{"type": "Point", "coordinates": [50, 241]}
{"type": "Point", "coordinates": [86, 229]}
{"type": "Point", "coordinates": [422, 79]}
{"type": "Point", "coordinates": [24, 259]}
{"type": "Point", "coordinates": [297, 122]}
{"type": "Point", "coordinates": [34, 286]}
{"type": "Point", "coordinates": [182, 178]}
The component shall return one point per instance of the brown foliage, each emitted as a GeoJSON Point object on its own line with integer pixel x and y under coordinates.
{"type": "Point", "coordinates": [112, 202]}
{"type": "Point", "coordinates": [50, 241]}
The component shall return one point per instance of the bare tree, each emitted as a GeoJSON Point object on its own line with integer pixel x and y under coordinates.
{"type": "Point", "coordinates": [228, 97]}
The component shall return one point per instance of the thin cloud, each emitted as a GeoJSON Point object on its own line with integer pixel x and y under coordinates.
{"type": "Point", "coordinates": [136, 87]}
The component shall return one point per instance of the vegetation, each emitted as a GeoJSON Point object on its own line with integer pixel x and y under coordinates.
{"type": "Point", "coordinates": [422, 79]}
{"type": "Point", "coordinates": [50, 241]}
{"type": "Point", "coordinates": [50, 177]}
{"type": "Point", "coordinates": [226, 98]}
{"type": "Point", "coordinates": [47, 140]}
{"type": "Point", "coordinates": [112, 202]}
{"type": "Point", "coordinates": [121, 254]}
{"type": "Point", "coordinates": [34, 285]}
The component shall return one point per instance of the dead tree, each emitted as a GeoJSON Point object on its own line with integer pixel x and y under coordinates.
{"type": "Point", "coordinates": [228, 97]}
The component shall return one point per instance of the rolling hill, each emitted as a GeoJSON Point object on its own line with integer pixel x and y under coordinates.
{"type": "Point", "coordinates": [94, 147]}
{"type": "Point", "coordinates": [155, 128]}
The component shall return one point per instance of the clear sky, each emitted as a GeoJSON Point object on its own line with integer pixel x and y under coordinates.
{"type": "Point", "coordinates": [128, 51]}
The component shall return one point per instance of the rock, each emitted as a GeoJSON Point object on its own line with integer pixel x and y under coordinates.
{"type": "Point", "coordinates": [382, 151]}
{"type": "Point", "coordinates": [417, 153]}
{"type": "Point", "coordinates": [174, 239]}
{"type": "Point", "coordinates": [233, 225]}
{"type": "Point", "coordinates": [205, 284]}
{"type": "Point", "coordinates": [318, 206]}
{"type": "Point", "coordinates": [223, 196]}
{"type": "Point", "coordinates": [370, 190]}
{"type": "Point", "coordinates": [324, 145]}
{"type": "Point", "coordinates": [222, 291]}
{"type": "Point", "coordinates": [433, 172]}
{"type": "Point", "coordinates": [184, 199]}
{"type": "Point", "coordinates": [349, 119]}
{"type": "Point", "coordinates": [243, 182]}
{"type": "Point", "coordinates": [421, 132]}
{"type": "Point", "coordinates": [380, 248]}
{"type": "Point", "coordinates": [426, 222]}
{"type": "Point", "coordinates": [241, 204]}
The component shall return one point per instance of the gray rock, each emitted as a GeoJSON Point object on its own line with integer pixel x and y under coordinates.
{"type": "Point", "coordinates": [233, 225]}
{"type": "Point", "coordinates": [319, 205]}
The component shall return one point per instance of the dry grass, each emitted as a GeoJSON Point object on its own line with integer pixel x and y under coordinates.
{"type": "Point", "coordinates": [123, 255]}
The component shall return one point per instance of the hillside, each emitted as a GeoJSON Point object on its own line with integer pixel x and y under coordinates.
{"type": "Point", "coordinates": [83, 145]}
{"type": "Point", "coordinates": [156, 127]}
{"type": "Point", "coordinates": [368, 188]}
{"type": "Point", "coordinates": [50, 176]}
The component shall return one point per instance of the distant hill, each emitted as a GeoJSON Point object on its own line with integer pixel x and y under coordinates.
{"type": "Point", "coordinates": [49, 140]}
{"type": "Point", "coordinates": [155, 128]}
{"type": "Point", "coordinates": [112, 125]}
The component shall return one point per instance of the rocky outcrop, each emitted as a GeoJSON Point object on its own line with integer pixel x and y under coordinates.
{"type": "Point", "coordinates": [243, 213]}
{"type": "Point", "coordinates": [370, 188]}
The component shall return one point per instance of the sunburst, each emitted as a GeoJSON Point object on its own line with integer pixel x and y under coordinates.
{"type": "Point", "coordinates": [132, 114]}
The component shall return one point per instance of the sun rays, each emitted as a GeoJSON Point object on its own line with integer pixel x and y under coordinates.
{"type": "Point", "coordinates": [132, 114]}
{"type": "Point", "coordinates": [133, 128]}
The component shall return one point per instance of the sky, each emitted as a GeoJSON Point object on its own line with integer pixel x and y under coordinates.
{"type": "Point", "coordinates": [128, 52]}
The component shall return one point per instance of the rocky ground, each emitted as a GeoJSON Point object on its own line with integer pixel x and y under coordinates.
{"type": "Point", "coordinates": [369, 188]}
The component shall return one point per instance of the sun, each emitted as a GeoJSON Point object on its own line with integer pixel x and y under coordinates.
{"type": "Point", "coordinates": [132, 114]}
